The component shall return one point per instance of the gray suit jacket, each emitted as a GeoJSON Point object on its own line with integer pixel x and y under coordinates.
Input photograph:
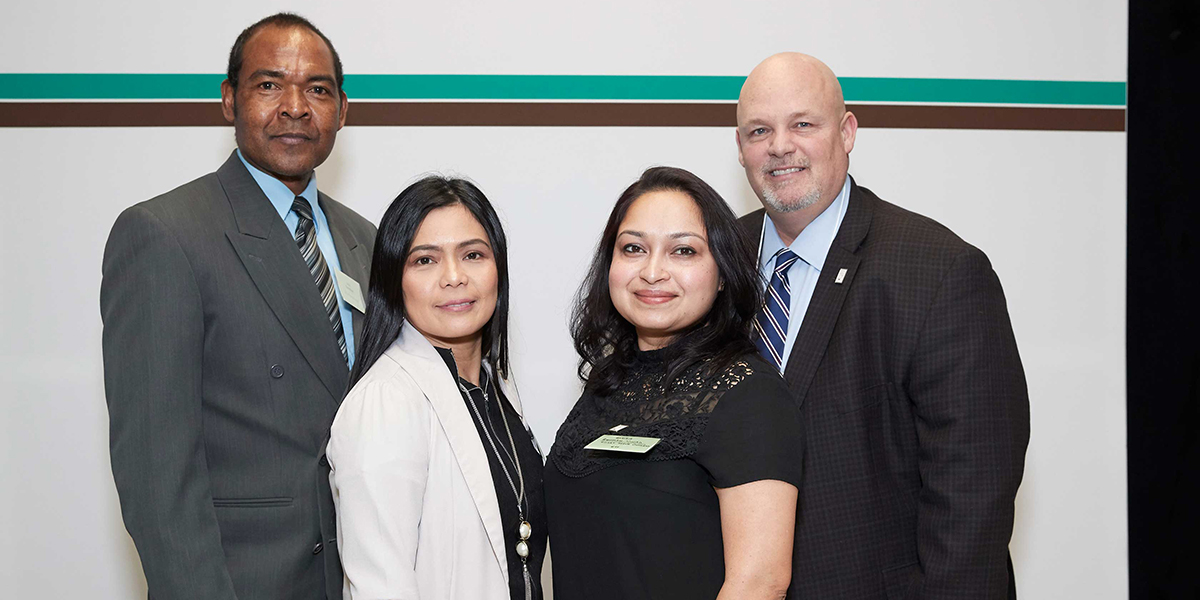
{"type": "Point", "coordinates": [915, 415]}
{"type": "Point", "coordinates": [222, 377]}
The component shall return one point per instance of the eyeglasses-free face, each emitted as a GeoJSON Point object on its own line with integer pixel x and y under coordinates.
{"type": "Point", "coordinates": [286, 110]}
{"type": "Point", "coordinates": [663, 277]}
{"type": "Point", "coordinates": [450, 279]}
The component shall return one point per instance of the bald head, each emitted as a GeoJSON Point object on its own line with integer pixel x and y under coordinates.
{"type": "Point", "coordinates": [794, 134]}
{"type": "Point", "coordinates": [793, 72]}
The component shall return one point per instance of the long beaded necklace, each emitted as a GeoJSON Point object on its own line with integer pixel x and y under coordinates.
{"type": "Point", "coordinates": [524, 529]}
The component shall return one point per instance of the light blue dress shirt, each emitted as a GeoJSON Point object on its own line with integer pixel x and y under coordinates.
{"type": "Point", "coordinates": [812, 246]}
{"type": "Point", "coordinates": [282, 198]}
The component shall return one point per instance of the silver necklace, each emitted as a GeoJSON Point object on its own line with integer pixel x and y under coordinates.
{"type": "Point", "coordinates": [524, 529]}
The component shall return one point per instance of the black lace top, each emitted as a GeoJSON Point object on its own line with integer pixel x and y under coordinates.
{"type": "Point", "coordinates": [648, 525]}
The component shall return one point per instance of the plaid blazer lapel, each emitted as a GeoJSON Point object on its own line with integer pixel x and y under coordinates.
{"type": "Point", "coordinates": [832, 288]}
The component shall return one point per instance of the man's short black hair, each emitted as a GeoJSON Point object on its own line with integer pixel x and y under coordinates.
{"type": "Point", "coordinates": [283, 19]}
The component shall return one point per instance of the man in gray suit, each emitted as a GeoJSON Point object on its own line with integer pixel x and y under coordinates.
{"type": "Point", "coordinates": [230, 308]}
{"type": "Point", "coordinates": [894, 338]}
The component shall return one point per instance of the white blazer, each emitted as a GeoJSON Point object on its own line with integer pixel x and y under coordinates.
{"type": "Point", "coordinates": [417, 515]}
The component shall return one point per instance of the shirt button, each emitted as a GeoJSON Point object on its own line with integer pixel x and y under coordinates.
{"type": "Point", "coordinates": [276, 371]}
{"type": "Point", "coordinates": [317, 549]}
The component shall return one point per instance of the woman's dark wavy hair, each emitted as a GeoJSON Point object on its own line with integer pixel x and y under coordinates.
{"type": "Point", "coordinates": [385, 299]}
{"type": "Point", "coordinates": [607, 343]}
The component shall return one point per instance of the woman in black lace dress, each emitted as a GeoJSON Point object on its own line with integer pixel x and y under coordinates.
{"type": "Point", "coordinates": [675, 474]}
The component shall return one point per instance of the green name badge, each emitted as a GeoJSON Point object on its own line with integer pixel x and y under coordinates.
{"type": "Point", "coordinates": [623, 443]}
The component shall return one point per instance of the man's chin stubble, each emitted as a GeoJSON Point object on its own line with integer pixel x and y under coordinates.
{"type": "Point", "coordinates": [777, 205]}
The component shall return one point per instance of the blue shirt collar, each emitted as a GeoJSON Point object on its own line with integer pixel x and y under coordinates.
{"type": "Point", "coordinates": [280, 196]}
{"type": "Point", "coordinates": [814, 241]}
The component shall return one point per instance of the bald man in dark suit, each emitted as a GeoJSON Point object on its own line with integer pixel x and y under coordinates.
{"type": "Point", "coordinates": [894, 338]}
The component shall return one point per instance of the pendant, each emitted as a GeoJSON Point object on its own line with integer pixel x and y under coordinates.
{"type": "Point", "coordinates": [524, 530]}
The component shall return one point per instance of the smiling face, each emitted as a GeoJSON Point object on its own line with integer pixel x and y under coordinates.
{"type": "Point", "coordinates": [450, 278]}
{"type": "Point", "coordinates": [794, 135]}
{"type": "Point", "coordinates": [663, 277]}
{"type": "Point", "coordinates": [286, 110]}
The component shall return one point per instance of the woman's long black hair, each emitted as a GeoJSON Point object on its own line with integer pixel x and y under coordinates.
{"type": "Point", "coordinates": [607, 343]}
{"type": "Point", "coordinates": [385, 300]}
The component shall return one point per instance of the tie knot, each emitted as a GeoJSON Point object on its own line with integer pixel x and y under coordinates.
{"type": "Point", "coordinates": [302, 208]}
{"type": "Point", "coordinates": [784, 259]}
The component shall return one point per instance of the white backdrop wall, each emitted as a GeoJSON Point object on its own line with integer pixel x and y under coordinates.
{"type": "Point", "coordinates": [1047, 207]}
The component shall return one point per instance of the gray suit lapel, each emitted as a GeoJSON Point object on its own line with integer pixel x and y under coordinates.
{"type": "Point", "coordinates": [827, 298]}
{"type": "Point", "coordinates": [353, 254]}
{"type": "Point", "coordinates": [274, 263]}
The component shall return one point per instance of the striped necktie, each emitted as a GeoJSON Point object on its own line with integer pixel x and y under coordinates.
{"type": "Point", "coordinates": [771, 323]}
{"type": "Point", "coordinates": [306, 238]}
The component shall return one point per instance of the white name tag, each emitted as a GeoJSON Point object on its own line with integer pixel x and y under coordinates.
{"type": "Point", "coordinates": [351, 292]}
{"type": "Point", "coordinates": [623, 443]}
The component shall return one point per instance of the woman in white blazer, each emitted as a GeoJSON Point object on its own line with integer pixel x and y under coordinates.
{"type": "Point", "coordinates": [436, 480]}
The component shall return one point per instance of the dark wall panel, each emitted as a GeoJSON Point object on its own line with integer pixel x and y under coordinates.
{"type": "Point", "coordinates": [1163, 323]}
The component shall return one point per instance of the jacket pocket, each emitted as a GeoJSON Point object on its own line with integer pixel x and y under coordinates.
{"type": "Point", "coordinates": [899, 581]}
{"type": "Point", "coordinates": [866, 397]}
{"type": "Point", "coordinates": [252, 502]}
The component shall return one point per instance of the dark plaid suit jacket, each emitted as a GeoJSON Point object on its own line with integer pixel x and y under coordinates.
{"type": "Point", "coordinates": [915, 415]}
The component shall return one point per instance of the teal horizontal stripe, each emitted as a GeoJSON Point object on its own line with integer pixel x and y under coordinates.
{"type": "Point", "coordinates": [544, 87]}
{"type": "Point", "coordinates": [145, 86]}
{"type": "Point", "coordinates": [109, 86]}
{"type": "Point", "coordinates": [990, 91]}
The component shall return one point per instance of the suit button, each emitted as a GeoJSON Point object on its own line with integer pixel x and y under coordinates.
{"type": "Point", "coordinates": [317, 549]}
{"type": "Point", "coordinates": [324, 461]}
{"type": "Point", "coordinates": [276, 371]}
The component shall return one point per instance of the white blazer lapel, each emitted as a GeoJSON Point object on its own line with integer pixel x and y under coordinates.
{"type": "Point", "coordinates": [428, 370]}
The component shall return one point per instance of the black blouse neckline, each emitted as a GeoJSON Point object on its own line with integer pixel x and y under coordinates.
{"type": "Point", "coordinates": [650, 357]}
{"type": "Point", "coordinates": [448, 357]}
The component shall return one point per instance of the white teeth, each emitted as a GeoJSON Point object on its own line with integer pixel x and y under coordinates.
{"type": "Point", "coordinates": [778, 172]}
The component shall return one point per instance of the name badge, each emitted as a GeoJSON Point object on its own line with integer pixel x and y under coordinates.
{"type": "Point", "coordinates": [351, 292]}
{"type": "Point", "coordinates": [623, 443]}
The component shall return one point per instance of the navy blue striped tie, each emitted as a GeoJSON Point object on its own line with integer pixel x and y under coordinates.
{"type": "Point", "coordinates": [771, 323]}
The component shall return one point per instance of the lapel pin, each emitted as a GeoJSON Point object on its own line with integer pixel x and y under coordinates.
{"type": "Point", "coordinates": [841, 276]}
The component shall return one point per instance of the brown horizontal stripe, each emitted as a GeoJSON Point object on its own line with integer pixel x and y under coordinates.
{"type": "Point", "coordinates": [110, 114]}
{"type": "Point", "coordinates": [551, 114]}
{"type": "Point", "coordinates": [561, 114]}
{"type": "Point", "coordinates": [990, 117]}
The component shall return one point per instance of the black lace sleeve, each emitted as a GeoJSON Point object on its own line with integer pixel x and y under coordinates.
{"type": "Point", "coordinates": [754, 433]}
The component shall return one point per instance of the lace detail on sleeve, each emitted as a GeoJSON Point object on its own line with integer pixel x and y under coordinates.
{"type": "Point", "coordinates": [677, 414]}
